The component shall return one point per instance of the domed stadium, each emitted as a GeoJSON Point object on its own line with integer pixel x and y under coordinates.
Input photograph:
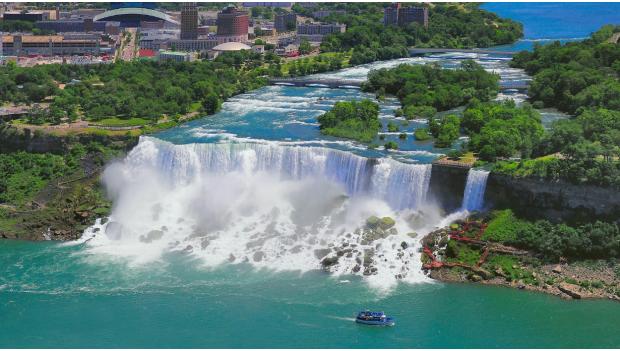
{"type": "Point", "coordinates": [231, 46]}
{"type": "Point", "coordinates": [131, 15]}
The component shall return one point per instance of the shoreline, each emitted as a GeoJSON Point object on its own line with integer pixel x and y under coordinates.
{"type": "Point", "coordinates": [588, 279]}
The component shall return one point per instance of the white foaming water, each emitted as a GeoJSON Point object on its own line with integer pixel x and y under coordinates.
{"type": "Point", "coordinates": [473, 197]}
{"type": "Point", "coordinates": [268, 205]}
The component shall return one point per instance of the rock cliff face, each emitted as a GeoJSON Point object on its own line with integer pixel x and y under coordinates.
{"type": "Point", "coordinates": [447, 186]}
{"type": "Point", "coordinates": [555, 201]}
{"type": "Point", "coordinates": [13, 140]}
{"type": "Point", "coordinates": [529, 197]}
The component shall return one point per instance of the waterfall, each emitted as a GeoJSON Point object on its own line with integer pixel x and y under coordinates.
{"type": "Point", "coordinates": [402, 186]}
{"type": "Point", "coordinates": [473, 197]}
{"type": "Point", "coordinates": [266, 204]}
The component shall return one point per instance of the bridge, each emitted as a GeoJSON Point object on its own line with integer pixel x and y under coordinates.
{"type": "Point", "coordinates": [324, 83]}
{"type": "Point", "coordinates": [356, 84]}
{"type": "Point", "coordinates": [424, 51]}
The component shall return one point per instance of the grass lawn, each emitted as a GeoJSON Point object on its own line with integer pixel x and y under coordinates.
{"type": "Point", "coordinates": [502, 227]}
{"type": "Point", "coordinates": [117, 122]}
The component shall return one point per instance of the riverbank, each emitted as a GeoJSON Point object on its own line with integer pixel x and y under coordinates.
{"type": "Point", "coordinates": [462, 253]}
{"type": "Point", "coordinates": [52, 189]}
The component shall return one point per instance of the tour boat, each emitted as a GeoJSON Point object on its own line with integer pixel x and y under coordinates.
{"type": "Point", "coordinates": [374, 318]}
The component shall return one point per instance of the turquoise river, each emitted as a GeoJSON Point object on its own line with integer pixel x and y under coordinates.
{"type": "Point", "coordinates": [219, 225]}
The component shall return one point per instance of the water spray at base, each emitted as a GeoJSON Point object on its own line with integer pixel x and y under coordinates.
{"type": "Point", "coordinates": [271, 206]}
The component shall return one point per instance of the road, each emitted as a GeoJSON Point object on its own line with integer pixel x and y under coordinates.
{"type": "Point", "coordinates": [128, 44]}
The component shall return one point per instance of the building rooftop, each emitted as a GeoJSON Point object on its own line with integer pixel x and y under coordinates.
{"type": "Point", "coordinates": [34, 38]}
{"type": "Point", "coordinates": [232, 46]}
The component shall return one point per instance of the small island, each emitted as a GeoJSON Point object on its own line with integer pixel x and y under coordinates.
{"type": "Point", "coordinates": [352, 120]}
{"type": "Point", "coordinates": [425, 89]}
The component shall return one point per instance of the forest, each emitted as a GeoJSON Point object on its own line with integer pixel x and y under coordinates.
{"type": "Point", "coordinates": [352, 120]}
{"type": "Point", "coordinates": [425, 89]}
{"type": "Point", "coordinates": [450, 26]}
{"type": "Point", "coordinates": [580, 78]}
{"type": "Point", "coordinates": [126, 90]}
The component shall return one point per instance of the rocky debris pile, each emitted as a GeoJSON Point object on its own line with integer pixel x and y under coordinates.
{"type": "Point", "coordinates": [364, 250]}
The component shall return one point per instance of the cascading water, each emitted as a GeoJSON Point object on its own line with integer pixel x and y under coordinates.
{"type": "Point", "coordinates": [473, 197]}
{"type": "Point", "coordinates": [274, 206]}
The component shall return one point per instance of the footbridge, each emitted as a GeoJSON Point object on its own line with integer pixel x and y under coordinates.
{"type": "Point", "coordinates": [356, 84]}
{"type": "Point", "coordinates": [325, 83]}
{"type": "Point", "coordinates": [424, 51]}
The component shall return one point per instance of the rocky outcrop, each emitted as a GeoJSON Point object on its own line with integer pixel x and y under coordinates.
{"type": "Point", "coordinates": [14, 139]}
{"type": "Point", "coordinates": [447, 186]}
{"type": "Point", "coordinates": [554, 201]}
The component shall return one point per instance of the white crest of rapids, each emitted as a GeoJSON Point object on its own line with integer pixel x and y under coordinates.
{"type": "Point", "coordinates": [268, 205]}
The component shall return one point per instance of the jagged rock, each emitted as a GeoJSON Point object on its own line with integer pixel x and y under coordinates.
{"type": "Point", "coordinates": [329, 261]}
{"type": "Point", "coordinates": [475, 278]}
{"type": "Point", "coordinates": [557, 269]}
{"type": "Point", "coordinates": [204, 243]}
{"type": "Point", "coordinates": [368, 254]}
{"type": "Point", "coordinates": [499, 271]}
{"type": "Point", "coordinates": [258, 256]}
{"type": "Point", "coordinates": [151, 236]}
{"type": "Point", "coordinates": [482, 272]}
{"type": "Point", "coordinates": [231, 258]}
{"type": "Point", "coordinates": [386, 223]}
{"type": "Point", "coordinates": [320, 253]}
{"type": "Point", "coordinates": [571, 290]}
{"type": "Point", "coordinates": [356, 268]}
{"type": "Point", "coordinates": [372, 222]}
{"type": "Point", "coordinates": [412, 234]}
{"type": "Point", "coordinates": [114, 230]}
{"type": "Point", "coordinates": [404, 245]}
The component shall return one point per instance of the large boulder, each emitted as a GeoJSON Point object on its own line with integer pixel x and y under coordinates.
{"type": "Point", "coordinates": [571, 290]}
{"type": "Point", "coordinates": [386, 223]}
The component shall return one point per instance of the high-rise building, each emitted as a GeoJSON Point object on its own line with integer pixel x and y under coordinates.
{"type": "Point", "coordinates": [314, 32]}
{"type": "Point", "coordinates": [402, 16]}
{"type": "Point", "coordinates": [232, 25]}
{"type": "Point", "coordinates": [407, 15]}
{"type": "Point", "coordinates": [390, 15]}
{"type": "Point", "coordinates": [189, 21]}
{"type": "Point", "coordinates": [285, 22]}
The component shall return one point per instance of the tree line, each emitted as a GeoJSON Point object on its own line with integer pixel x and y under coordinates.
{"type": "Point", "coordinates": [581, 78]}
{"type": "Point", "coordinates": [450, 26]}
{"type": "Point", "coordinates": [425, 89]}
{"type": "Point", "coordinates": [128, 89]}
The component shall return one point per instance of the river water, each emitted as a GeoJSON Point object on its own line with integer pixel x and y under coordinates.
{"type": "Point", "coordinates": [216, 226]}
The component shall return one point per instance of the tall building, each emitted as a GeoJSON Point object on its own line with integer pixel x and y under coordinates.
{"type": "Point", "coordinates": [285, 22]}
{"type": "Point", "coordinates": [189, 21]}
{"type": "Point", "coordinates": [402, 16]}
{"type": "Point", "coordinates": [390, 15]}
{"type": "Point", "coordinates": [314, 32]}
{"type": "Point", "coordinates": [30, 16]}
{"type": "Point", "coordinates": [232, 25]}
{"type": "Point", "coordinates": [407, 15]}
{"type": "Point", "coordinates": [49, 45]}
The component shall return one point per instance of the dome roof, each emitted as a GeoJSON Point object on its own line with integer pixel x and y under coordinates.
{"type": "Point", "coordinates": [232, 46]}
